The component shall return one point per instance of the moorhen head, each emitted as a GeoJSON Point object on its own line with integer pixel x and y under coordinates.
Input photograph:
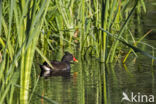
{"type": "Point", "coordinates": [68, 57]}
{"type": "Point", "coordinates": [62, 66]}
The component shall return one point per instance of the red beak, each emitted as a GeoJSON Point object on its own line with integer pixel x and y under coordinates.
{"type": "Point", "coordinates": [74, 59]}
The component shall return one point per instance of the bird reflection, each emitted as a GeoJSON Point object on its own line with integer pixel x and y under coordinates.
{"type": "Point", "coordinates": [50, 73]}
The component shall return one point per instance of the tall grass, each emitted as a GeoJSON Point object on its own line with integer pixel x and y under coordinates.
{"type": "Point", "coordinates": [78, 22]}
{"type": "Point", "coordinates": [21, 26]}
{"type": "Point", "coordinates": [29, 26]}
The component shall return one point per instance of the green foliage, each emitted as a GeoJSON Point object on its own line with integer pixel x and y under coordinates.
{"type": "Point", "coordinates": [21, 26]}
{"type": "Point", "coordinates": [27, 26]}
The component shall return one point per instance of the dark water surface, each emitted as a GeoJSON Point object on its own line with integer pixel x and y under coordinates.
{"type": "Point", "coordinates": [90, 82]}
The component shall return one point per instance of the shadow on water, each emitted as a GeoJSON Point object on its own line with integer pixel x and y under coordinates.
{"type": "Point", "coordinates": [91, 82]}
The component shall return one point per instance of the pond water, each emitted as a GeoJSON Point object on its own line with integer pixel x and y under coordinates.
{"type": "Point", "coordinates": [91, 82]}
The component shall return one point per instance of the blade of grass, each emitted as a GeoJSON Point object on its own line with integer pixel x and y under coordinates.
{"type": "Point", "coordinates": [121, 32]}
{"type": "Point", "coordinates": [136, 45]}
{"type": "Point", "coordinates": [33, 90]}
{"type": "Point", "coordinates": [14, 78]}
{"type": "Point", "coordinates": [41, 54]}
{"type": "Point", "coordinates": [129, 45]}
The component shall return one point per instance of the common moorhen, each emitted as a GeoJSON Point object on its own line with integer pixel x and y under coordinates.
{"type": "Point", "coordinates": [64, 65]}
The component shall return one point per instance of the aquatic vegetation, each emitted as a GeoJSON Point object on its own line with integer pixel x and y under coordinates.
{"type": "Point", "coordinates": [20, 33]}
{"type": "Point", "coordinates": [30, 27]}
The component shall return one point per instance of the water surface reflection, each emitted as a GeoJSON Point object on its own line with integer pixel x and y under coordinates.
{"type": "Point", "coordinates": [91, 82]}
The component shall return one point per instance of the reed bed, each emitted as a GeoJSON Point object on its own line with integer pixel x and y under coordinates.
{"type": "Point", "coordinates": [39, 26]}
{"type": "Point", "coordinates": [22, 22]}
